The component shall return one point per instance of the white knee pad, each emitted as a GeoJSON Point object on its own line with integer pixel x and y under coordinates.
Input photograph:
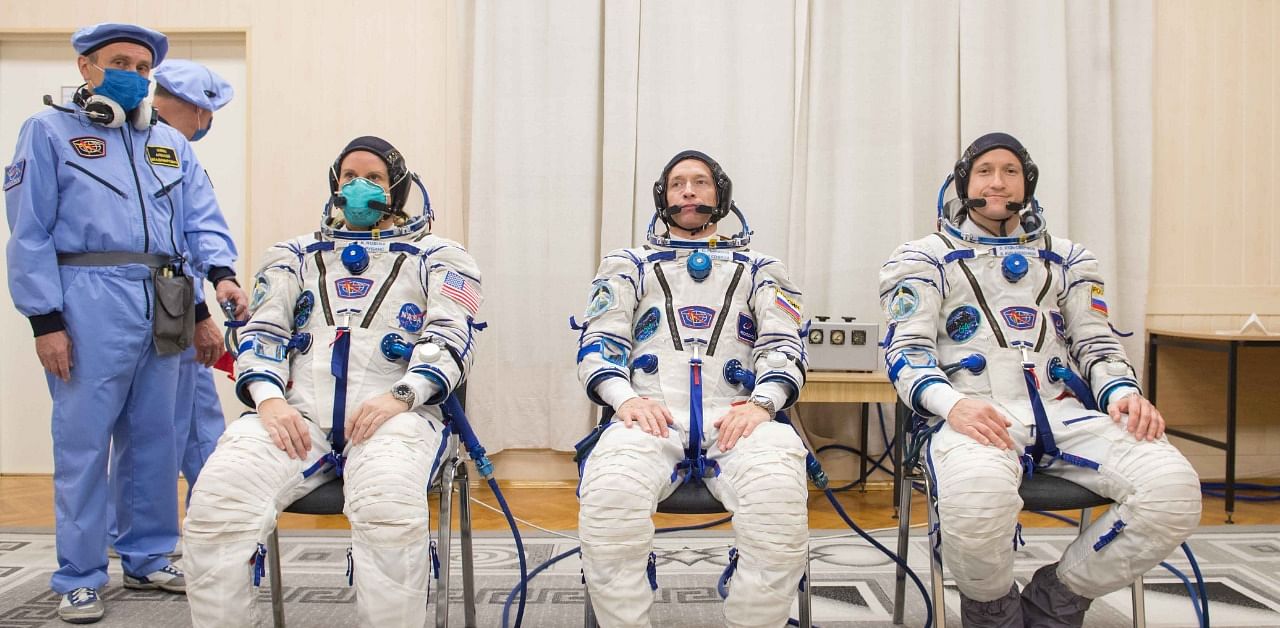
{"type": "Point", "coordinates": [386, 482]}
{"type": "Point", "coordinates": [978, 505]}
{"type": "Point", "coordinates": [234, 498]}
{"type": "Point", "coordinates": [623, 479]}
{"type": "Point", "coordinates": [762, 480]}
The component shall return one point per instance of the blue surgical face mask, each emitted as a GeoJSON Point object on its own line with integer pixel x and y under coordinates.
{"type": "Point", "coordinates": [127, 89]}
{"type": "Point", "coordinates": [195, 137]}
{"type": "Point", "coordinates": [359, 192]}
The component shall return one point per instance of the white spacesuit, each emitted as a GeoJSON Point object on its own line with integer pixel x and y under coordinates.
{"type": "Point", "coordinates": [662, 323]}
{"type": "Point", "coordinates": [340, 317]}
{"type": "Point", "coordinates": [1033, 308]}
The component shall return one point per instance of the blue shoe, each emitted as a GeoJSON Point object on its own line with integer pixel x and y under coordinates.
{"type": "Point", "coordinates": [81, 606]}
{"type": "Point", "coordinates": [167, 578]}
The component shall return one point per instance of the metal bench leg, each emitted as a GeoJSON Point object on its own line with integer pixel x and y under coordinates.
{"type": "Point", "coordinates": [904, 544]}
{"type": "Point", "coordinates": [935, 563]}
{"type": "Point", "coordinates": [277, 595]}
{"type": "Point", "coordinates": [444, 542]}
{"type": "Point", "coordinates": [588, 613]}
{"type": "Point", "coordinates": [1139, 604]}
{"type": "Point", "coordinates": [468, 568]}
{"type": "Point", "coordinates": [806, 595]}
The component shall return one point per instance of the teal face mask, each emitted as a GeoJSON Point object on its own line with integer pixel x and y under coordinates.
{"type": "Point", "coordinates": [366, 202]}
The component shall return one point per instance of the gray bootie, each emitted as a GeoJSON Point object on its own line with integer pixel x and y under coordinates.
{"type": "Point", "coordinates": [1048, 603]}
{"type": "Point", "coordinates": [1002, 612]}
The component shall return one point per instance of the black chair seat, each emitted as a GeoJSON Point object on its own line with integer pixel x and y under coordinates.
{"type": "Point", "coordinates": [325, 500]}
{"type": "Point", "coordinates": [691, 498]}
{"type": "Point", "coordinates": [1047, 492]}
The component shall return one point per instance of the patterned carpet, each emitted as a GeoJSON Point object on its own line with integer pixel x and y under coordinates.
{"type": "Point", "coordinates": [853, 584]}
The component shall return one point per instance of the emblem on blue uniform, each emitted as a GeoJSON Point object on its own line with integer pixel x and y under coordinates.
{"type": "Point", "coordinates": [746, 328]}
{"type": "Point", "coordinates": [903, 303]}
{"type": "Point", "coordinates": [353, 287]}
{"type": "Point", "coordinates": [1059, 325]}
{"type": "Point", "coordinates": [602, 299]}
{"type": "Point", "coordinates": [1019, 317]}
{"type": "Point", "coordinates": [13, 174]}
{"type": "Point", "coordinates": [163, 156]}
{"type": "Point", "coordinates": [410, 318]}
{"type": "Point", "coordinates": [302, 309]}
{"type": "Point", "coordinates": [89, 147]}
{"type": "Point", "coordinates": [963, 323]}
{"type": "Point", "coordinates": [647, 325]}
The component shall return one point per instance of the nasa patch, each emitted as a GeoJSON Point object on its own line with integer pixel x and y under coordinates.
{"type": "Point", "coordinates": [302, 309]}
{"type": "Point", "coordinates": [410, 318]}
{"type": "Point", "coordinates": [353, 287]}
{"type": "Point", "coordinates": [746, 329]}
{"type": "Point", "coordinates": [1019, 317]}
{"type": "Point", "coordinates": [647, 325]}
{"type": "Point", "coordinates": [963, 323]}
{"type": "Point", "coordinates": [697, 316]}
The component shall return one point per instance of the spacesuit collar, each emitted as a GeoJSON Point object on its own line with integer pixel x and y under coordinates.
{"type": "Point", "coordinates": [970, 232]}
{"type": "Point", "coordinates": [412, 227]}
{"type": "Point", "coordinates": [715, 242]}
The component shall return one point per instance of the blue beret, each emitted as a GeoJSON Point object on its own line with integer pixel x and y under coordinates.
{"type": "Point", "coordinates": [91, 38]}
{"type": "Point", "coordinates": [194, 83]}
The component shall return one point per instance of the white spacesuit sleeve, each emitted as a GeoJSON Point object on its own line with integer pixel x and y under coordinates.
{"type": "Point", "coordinates": [445, 351]}
{"type": "Point", "coordinates": [263, 354]}
{"type": "Point", "coordinates": [604, 347]}
{"type": "Point", "coordinates": [910, 292]}
{"type": "Point", "coordinates": [1093, 345]}
{"type": "Point", "coordinates": [778, 355]}
{"type": "Point", "coordinates": [262, 391]}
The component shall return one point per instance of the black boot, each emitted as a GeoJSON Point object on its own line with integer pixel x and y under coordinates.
{"type": "Point", "coordinates": [1048, 603]}
{"type": "Point", "coordinates": [1002, 612]}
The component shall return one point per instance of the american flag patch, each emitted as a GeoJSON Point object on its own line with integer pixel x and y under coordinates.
{"type": "Point", "coordinates": [457, 287]}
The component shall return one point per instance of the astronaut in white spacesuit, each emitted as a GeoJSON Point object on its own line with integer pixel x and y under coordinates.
{"type": "Point", "coordinates": [1001, 330]}
{"type": "Point", "coordinates": [363, 329]}
{"type": "Point", "coordinates": [662, 323]}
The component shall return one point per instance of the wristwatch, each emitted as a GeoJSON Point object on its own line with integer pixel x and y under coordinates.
{"type": "Point", "coordinates": [764, 402]}
{"type": "Point", "coordinates": [404, 392]}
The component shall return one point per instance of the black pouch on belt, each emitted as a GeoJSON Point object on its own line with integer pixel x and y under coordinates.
{"type": "Point", "coordinates": [175, 312]}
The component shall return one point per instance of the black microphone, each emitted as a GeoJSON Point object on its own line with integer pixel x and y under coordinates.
{"type": "Point", "coordinates": [972, 203]}
{"type": "Point", "coordinates": [92, 115]}
{"type": "Point", "coordinates": [702, 209]}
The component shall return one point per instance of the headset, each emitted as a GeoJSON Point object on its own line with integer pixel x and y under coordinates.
{"type": "Point", "coordinates": [103, 111]}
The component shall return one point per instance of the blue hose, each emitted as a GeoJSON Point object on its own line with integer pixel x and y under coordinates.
{"type": "Point", "coordinates": [1215, 489]}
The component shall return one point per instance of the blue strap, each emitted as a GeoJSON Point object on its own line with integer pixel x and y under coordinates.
{"type": "Point", "coordinates": [351, 568]}
{"type": "Point", "coordinates": [435, 562]}
{"type": "Point", "coordinates": [1018, 541]}
{"type": "Point", "coordinates": [320, 246]}
{"type": "Point", "coordinates": [259, 564]}
{"type": "Point", "coordinates": [338, 367]}
{"type": "Point", "coordinates": [1109, 536]}
{"type": "Point", "coordinates": [661, 256]}
{"type": "Point", "coordinates": [652, 571]}
{"type": "Point", "coordinates": [694, 451]}
{"type": "Point", "coordinates": [1044, 444]}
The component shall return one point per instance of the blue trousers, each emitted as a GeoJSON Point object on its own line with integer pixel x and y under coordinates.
{"type": "Point", "coordinates": [120, 399]}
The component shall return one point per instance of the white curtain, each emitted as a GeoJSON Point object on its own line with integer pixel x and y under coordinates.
{"type": "Point", "coordinates": [837, 122]}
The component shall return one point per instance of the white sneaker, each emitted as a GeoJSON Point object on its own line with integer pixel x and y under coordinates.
{"type": "Point", "coordinates": [167, 578]}
{"type": "Point", "coordinates": [81, 606]}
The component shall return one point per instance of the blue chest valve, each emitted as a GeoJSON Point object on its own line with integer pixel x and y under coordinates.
{"type": "Point", "coordinates": [395, 348]}
{"type": "Point", "coordinates": [699, 265]}
{"type": "Point", "coordinates": [647, 363]}
{"type": "Point", "coordinates": [975, 363]}
{"type": "Point", "coordinates": [736, 375]}
{"type": "Point", "coordinates": [1014, 267]}
{"type": "Point", "coordinates": [355, 258]}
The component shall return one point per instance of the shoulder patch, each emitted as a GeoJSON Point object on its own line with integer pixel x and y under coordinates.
{"type": "Point", "coordinates": [163, 156]}
{"type": "Point", "coordinates": [89, 147]}
{"type": "Point", "coordinates": [1019, 317]}
{"type": "Point", "coordinates": [697, 316]}
{"type": "Point", "coordinates": [13, 174]}
{"type": "Point", "coordinates": [461, 290]}
{"type": "Point", "coordinates": [747, 328]}
{"type": "Point", "coordinates": [260, 288]}
{"type": "Point", "coordinates": [1096, 302]}
{"type": "Point", "coordinates": [963, 323]}
{"type": "Point", "coordinates": [647, 325]}
{"type": "Point", "coordinates": [903, 302]}
{"type": "Point", "coordinates": [788, 305]}
{"type": "Point", "coordinates": [602, 299]}
{"type": "Point", "coordinates": [352, 287]}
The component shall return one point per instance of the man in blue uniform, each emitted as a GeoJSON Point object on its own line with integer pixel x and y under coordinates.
{"type": "Point", "coordinates": [106, 210]}
{"type": "Point", "coordinates": [187, 94]}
